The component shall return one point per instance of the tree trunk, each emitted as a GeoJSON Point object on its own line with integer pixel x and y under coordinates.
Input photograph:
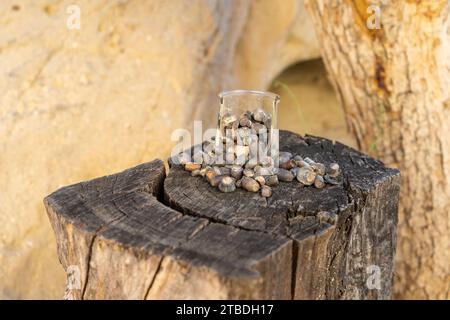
{"type": "Point", "coordinates": [394, 84]}
{"type": "Point", "coordinates": [140, 235]}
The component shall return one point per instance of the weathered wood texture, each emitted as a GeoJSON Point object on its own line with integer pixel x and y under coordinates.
{"type": "Point", "coordinates": [141, 235]}
{"type": "Point", "coordinates": [394, 84]}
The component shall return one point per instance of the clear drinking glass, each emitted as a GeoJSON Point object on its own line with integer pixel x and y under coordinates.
{"type": "Point", "coordinates": [249, 112]}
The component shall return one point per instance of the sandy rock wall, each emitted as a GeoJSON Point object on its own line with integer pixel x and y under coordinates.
{"type": "Point", "coordinates": [78, 103]}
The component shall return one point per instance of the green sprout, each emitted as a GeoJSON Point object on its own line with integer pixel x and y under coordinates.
{"type": "Point", "coordinates": [285, 87]}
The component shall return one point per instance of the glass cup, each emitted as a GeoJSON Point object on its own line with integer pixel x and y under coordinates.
{"type": "Point", "coordinates": [247, 126]}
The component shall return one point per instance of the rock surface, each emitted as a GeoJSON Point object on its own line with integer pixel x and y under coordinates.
{"type": "Point", "coordinates": [81, 103]}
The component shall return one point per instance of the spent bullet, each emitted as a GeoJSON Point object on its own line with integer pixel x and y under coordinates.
{"type": "Point", "coordinates": [266, 191]}
{"type": "Point", "coordinates": [250, 184]}
{"type": "Point", "coordinates": [227, 184]}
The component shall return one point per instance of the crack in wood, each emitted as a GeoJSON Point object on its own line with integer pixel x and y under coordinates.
{"type": "Point", "coordinates": [88, 266]}
{"type": "Point", "coordinates": [152, 282]}
{"type": "Point", "coordinates": [294, 267]}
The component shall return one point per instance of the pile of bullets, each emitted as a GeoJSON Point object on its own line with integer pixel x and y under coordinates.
{"type": "Point", "coordinates": [240, 160]}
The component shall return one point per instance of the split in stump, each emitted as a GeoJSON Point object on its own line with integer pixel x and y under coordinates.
{"type": "Point", "coordinates": [141, 235]}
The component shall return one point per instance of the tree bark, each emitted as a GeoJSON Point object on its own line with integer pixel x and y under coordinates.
{"type": "Point", "coordinates": [141, 235]}
{"type": "Point", "coordinates": [394, 84]}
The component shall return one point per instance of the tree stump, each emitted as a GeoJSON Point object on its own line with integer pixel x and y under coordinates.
{"type": "Point", "coordinates": [141, 235]}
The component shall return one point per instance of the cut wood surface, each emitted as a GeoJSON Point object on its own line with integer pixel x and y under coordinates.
{"type": "Point", "coordinates": [141, 235]}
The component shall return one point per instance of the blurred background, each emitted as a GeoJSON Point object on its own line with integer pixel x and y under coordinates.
{"type": "Point", "coordinates": [309, 103]}
{"type": "Point", "coordinates": [91, 87]}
